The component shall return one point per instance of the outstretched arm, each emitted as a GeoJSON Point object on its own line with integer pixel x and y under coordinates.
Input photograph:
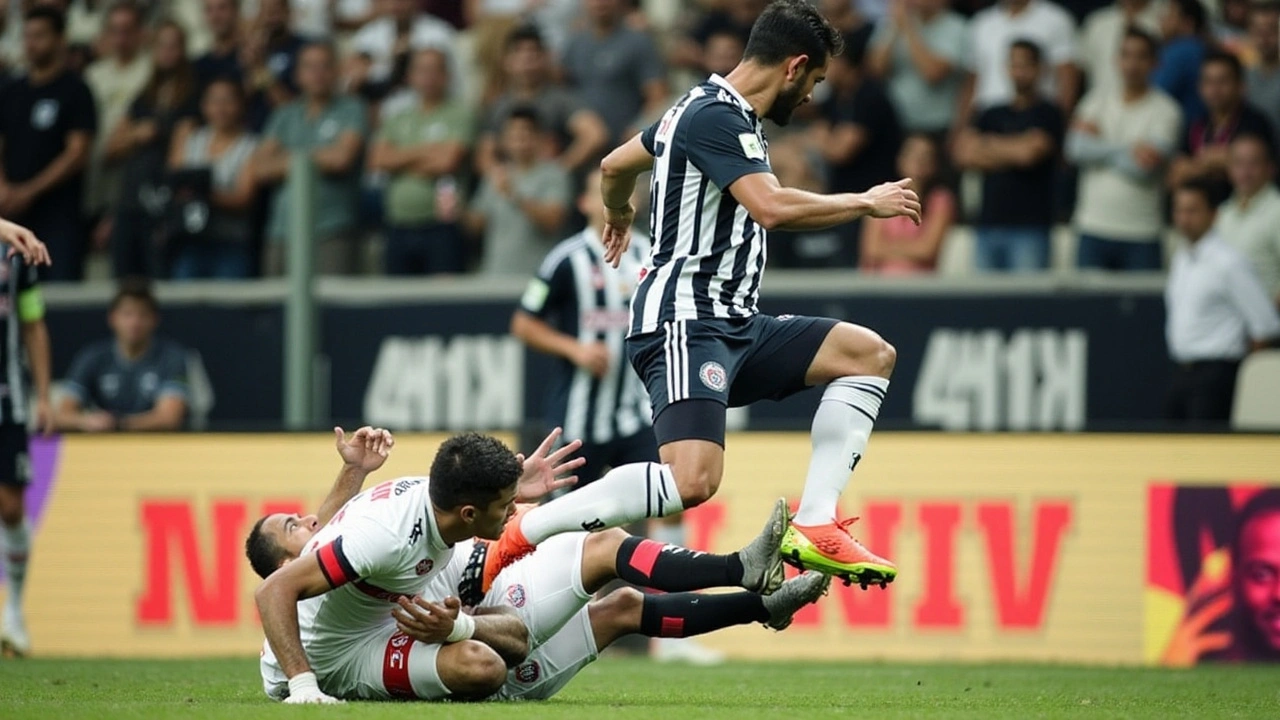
{"type": "Point", "coordinates": [618, 173]}
{"type": "Point", "coordinates": [362, 453]}
{"type": "Point", "coordinates": [780, 208]}
{"type": "Point", "coordinates": [277, 598]}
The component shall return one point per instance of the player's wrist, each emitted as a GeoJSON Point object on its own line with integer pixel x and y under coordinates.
{"type": "Point", "coordinates": [303, 684]}
{"type": "Point", "coordinates": [464, 627]}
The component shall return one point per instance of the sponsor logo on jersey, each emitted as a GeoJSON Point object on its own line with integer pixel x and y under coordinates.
{"type": "Point", "coordinates": [529, 672]}
{"type": "Point", "coordinates": [516, 596]}
{"type": "Point", "coordinates": [713, 376]}
{"type": "Point", "coordinates": [424, 566]}
{"type": "Point", "coordinates": [416, 534]}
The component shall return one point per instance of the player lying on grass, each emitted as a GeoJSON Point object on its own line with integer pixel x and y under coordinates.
{"type": "Point", "coordinates": [551, 589]}
{"type": "Point", "coordinates": [327, 616]}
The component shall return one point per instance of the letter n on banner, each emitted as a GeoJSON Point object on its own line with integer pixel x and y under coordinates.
{"type": "Point", "coordinates": [211, 578]}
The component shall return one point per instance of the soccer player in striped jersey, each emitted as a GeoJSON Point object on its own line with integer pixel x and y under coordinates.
{"type": "Point", "coordinates": [697, 338]}
{"type": "Point", "coordinates": [22, 329]}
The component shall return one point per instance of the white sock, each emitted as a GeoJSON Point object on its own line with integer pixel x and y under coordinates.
{"type": "Point", "coordinates": [841, 428]}
{"type": "Point", "coordinates": [17, 545]}
{"type": "Point", "coordinates": [667, 534]}
{"type": "Point", "coordinates": [624, 495]}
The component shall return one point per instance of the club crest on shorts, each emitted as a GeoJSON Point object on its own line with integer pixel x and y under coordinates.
{"type": "Point", "coordinates": [515, 595]}
{"type": "Point", "coordinates": [529, 672]}
{"type": "Point", "coordinates": [713, 376]}
{"type": "Point", "coordinates": [424, 566]}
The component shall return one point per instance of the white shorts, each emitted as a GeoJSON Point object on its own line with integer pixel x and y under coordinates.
{"type": "Point", "coordinates": [544, 589]}
{"type": "Point", "coordinates": [553, 664]}
{"type": "Point", "coordinates": [387, 666]}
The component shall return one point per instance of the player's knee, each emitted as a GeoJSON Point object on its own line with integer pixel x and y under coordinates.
{"type": "Point", "coordinates": [696, 484]}
{"type": "Point", "coordinates": [10, 507]}
{"type": "Point", "coordinates": [480, 671]}
{"type": "Point", "coordinates": [621, 609]}
{"type": "Point", "coordinates": [886, 358]}
{"type": "Point", "coordinates": [606, 542]}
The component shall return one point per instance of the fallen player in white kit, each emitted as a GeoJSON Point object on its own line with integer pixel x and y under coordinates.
{"type": "Point", "coordinates": [550, 592]}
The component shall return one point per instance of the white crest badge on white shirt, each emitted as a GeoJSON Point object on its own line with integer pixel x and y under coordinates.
{"type": "Point", "coordinates": [751, 146]}
{"type": "Point", "coordinates": [44, 114]}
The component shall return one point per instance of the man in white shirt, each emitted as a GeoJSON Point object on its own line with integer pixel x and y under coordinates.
{"type": "Point", "coordinates": [1121, 138]}
{"type": "Point", "coordinates": [1103, 32]}
{"type": "Point", "coordinates": [115, 80]}
{"type": "Point", "coordinates": [993, 32]}
{"type": "Point", "coordinates": [1250, 219]}
{"type": "Point", "coordinates": [384, 46]}
{"type": "Point", "coordinates": [1217, 312]}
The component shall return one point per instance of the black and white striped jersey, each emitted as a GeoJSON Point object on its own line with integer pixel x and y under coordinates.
{"type": "Point", "coordinates": [580, 294]}
{"type": "Point", "coordinates": [20, 301]}
{"type": "Point", "coordinates": [708, 253]}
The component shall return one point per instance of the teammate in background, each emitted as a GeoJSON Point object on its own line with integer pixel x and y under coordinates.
{"type": "Point", "coordinates": [19, 281]}
{"type": "Point", "coordinates": [326, 615]}
{"type": "Point", "coordinates": [576, 310]}
{"type": "Point", "coordinates": [550, 591]}
{"type": "Point", "coordinates": [697, 338]}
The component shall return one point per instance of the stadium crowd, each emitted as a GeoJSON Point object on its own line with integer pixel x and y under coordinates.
{"type": "Point", "coordinates": [452, 136]}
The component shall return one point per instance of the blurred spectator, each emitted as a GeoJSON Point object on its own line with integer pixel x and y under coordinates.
{"type": "Point", "coordinates": [424, 149]}
{"type": "Point", "coordinates": [131, 382]}
{"type": "Point", "coordinates": [1250, 219]}
{"type": "Point", "coordinates": [169, 105]}
{"type": "Point", "coordinates": [921, 51]}
{"type": "Point", "coordinates": [87, 23]}
{"type": "Point", "coordinates": [269, 56]}
{"type": "Point", "coordinates": [897, 246]}
{"type": "Point", "coordinates": [850, 16]}
{"type": "Point", "coordinates": [578, 135]}
{"type": "Point", "coordinates": [223, 59]}
{"type": "Point", "coordinates": [47, 123]}
{"type": "Point", "coordinates": [722, 53]}
{"type": "Point", "coordinates": [1216, 310]}
{"type": "Point", "coordinates": [115, 81]}
{"type": "Point", "coordinates": [222, 149]}
{"type": "Point", "coordinates": [1178, 73]}
{"type": "Point", "coordinates": [616, 71]}
{"type": "Point", "coordinates": [1231, 30]}
{"type": "Point", "coordinates": [1121, 139]}
{"type": "Point", "coordinates": [1104, 31]}
{"type": "Point", "coordinates": [1262, 79]}
{"type": "Point", "coordinates": [493, 20]}
{"type": "Point", "coordinates": [995, 29]}
{"type": "Point", "coordinates": [331, 128]}
{"type": "Point", "coordinates": [522, 202]}
{"type": "Point", "coordinates": [1204, 147]}
{"type": "Point", "coordinates": [383, 46]}
{"type": "Point", "coordinates": [1016, 147]}
{"type": "Point", "coordinates": [734, 19]}
{"type": "Point", "coordinates": [858, 134]}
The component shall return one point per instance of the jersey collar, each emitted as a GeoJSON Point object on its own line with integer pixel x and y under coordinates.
{"type": "Point", "coordinates": [716, 79]}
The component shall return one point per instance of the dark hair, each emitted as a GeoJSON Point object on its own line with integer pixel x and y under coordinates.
{"type": "Point", "coordinates": [932, 142]}
{"type": "Point", "coordinates": [1194, 11]}
{"type": "Point", "coordinates": [237, 88]}
{"type": "Point", "coordinates": [1037, 55]}
{"type": "Point", "coordinates": [1153, 45]}
{"type": "Point", "coordinates": [326, 45]}
{"type": "Point", "coordinates": [1206, 189]}
{"type": "Point", "coordinates": [51, 15]}
{"type": "Point", "coordinates": [264, 553]}
{"type": "Point", "coordinates": [1223, 57]}
{"type": "Point", "coordinates": [792, 27]}
{"type": "Point", "coordinates": [126, 6]}
{"type": "Point", "coordinates": [472, 469]}
{"type": "Point", "coordinates": [135, 288]}
{"type": "Point", "coordinates": [524, 112]}
{"type": "Point", "coordinates": [183, 76]}
{"type": "Point", "coordinates": [521, 34]}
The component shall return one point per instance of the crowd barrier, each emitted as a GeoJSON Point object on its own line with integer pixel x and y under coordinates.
{"type": "Point", "coordinates": [1075, 548]}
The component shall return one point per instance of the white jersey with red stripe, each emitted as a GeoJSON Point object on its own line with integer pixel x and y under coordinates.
{"type": "Point", "coordinates": [382, 544]}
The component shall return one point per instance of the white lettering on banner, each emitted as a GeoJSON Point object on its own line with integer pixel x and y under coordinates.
{"type": "Point", "coordinates": [468, 381]}
{"type": "Point", "coordinates": [976, 380]}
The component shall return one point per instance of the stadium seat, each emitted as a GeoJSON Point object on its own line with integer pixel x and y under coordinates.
{"type": "Point", "coordinates": [1257, 401]}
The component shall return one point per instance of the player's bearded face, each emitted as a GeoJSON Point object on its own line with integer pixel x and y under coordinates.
{"type": "Point", "coordinates": [793, 95]}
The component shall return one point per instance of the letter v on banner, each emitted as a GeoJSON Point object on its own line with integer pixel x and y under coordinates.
{"type": "Point", "coordinates": [1022, 604]}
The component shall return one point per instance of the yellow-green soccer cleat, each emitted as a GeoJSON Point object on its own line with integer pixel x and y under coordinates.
{"type": "Point", "coordinates": [831, 550]}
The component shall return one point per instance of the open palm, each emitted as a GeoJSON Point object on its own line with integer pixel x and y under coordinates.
{"type": "Point", "coordinates": [542, 469]}
{"type": "Point", "coordinates": [366, 448]}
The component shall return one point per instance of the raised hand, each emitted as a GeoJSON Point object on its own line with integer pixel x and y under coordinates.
{"type": "Point", "coordinates": [22, 241]}
{"type": "Point", "coordinates": [543, 468]}
{"type": "Point", "coordinates": [366, 448]}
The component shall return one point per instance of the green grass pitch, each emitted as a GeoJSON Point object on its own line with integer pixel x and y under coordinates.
{"type": "Point", "coordinates": [621, 689]}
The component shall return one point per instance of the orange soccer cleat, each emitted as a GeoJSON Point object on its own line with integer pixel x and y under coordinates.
{"type": "Point", "coordinates": [831, 550]}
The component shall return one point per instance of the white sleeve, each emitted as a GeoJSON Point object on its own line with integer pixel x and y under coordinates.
{"type": "Point", "coordinates": [1249, 296]}
{"type": "Point", "coordinates": [364, 549]}
{"type": "Point", "coordinates": [1062, 47]}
